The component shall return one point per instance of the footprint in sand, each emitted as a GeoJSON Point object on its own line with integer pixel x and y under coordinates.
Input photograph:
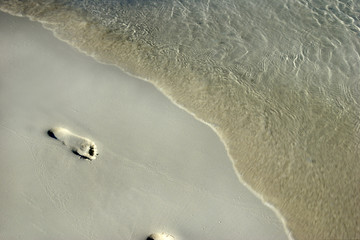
{"type": "Point", "coordinates": [160, 236]}
{"type": "Point", "coordinates": [79, 145]}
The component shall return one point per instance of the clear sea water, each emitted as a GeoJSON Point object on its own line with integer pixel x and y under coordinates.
{"type": "Point", "coordinates": [278, 80]}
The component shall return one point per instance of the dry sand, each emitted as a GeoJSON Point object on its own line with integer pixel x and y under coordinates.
{"type": "Point", "coordinates": [158, 169]}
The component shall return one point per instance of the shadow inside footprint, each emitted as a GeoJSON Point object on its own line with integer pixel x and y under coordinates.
{"type": "Point", "coordinates": [51, 134]}
{"type": "Point", "coordinates": [91, 151]}
{"type": "Point", "coordinates": [80, 156]}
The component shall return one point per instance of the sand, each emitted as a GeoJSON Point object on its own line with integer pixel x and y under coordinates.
{"type": "Point", "coordinates": [158, 169]}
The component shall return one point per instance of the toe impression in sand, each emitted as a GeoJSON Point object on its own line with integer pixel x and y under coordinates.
{"type": "Point", "coordinates": [78, 144]}
{"type": "Point", "coordinates": [160, 236]}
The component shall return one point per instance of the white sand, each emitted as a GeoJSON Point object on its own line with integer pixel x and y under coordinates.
{"type": "Point", "coordinates": [158, 169]}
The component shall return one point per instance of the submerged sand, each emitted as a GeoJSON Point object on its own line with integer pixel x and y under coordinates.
{"type": "Point", "coordinates": [158, 169]}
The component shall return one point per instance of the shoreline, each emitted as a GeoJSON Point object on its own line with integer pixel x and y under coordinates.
{"type": "Point", "coordinates": [173, 101]}
{"type": "Point", "coordinates": [108, 148]}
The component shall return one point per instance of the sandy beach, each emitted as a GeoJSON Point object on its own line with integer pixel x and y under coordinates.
{"type": "Point", "coordinates": [158, 169]}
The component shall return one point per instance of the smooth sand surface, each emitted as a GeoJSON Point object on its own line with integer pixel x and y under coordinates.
{"type": "Point", "coordinates": [158, 169]}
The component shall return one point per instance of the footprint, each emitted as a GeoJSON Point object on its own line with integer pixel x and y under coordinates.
{"type": "Point", "coordinates": [160, 236]}
{"type": "Point", "coordinates": [79, 145]}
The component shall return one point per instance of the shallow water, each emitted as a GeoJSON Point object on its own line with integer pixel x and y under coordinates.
{"type": "Point", "coordinates": [277, 80]}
